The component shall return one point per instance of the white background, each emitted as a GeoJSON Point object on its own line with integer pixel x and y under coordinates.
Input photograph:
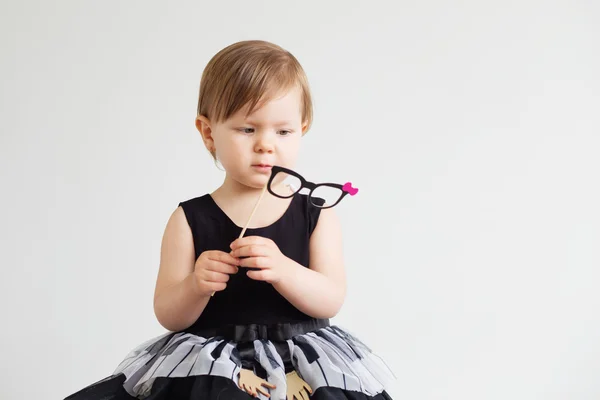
{"type": "Point", "coordinates": [470, 127]}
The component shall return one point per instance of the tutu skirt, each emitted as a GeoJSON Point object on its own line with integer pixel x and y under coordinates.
{"type": "Point", "coordinates": [206, 364]}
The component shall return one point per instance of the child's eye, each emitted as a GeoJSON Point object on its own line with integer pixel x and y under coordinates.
{"type": "Point", "coordinates": [285, 133]}
{"type": "Point", "coordinates": [246, 130]}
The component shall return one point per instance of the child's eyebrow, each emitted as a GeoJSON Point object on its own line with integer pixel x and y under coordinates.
{"type": "Point", "coordinates": [278, 123]}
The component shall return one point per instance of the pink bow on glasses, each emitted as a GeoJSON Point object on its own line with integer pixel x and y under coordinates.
{"type": "Point", "coordinates": [348, 188]}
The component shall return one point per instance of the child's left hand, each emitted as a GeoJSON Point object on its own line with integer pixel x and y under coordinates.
{"type": "Point", "coordinates": [264, 254]}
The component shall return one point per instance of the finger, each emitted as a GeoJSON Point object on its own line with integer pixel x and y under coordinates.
{"type": "Point", "coordinates": [269, 385]}
{"type": "Point", "coordinates": [222, 268]}
{"type": "Point", "coordinates": [256, 262]}
{"type": "Point", "coordinates": [263, 275]}
{"type": "Point", "coordinates": [223, 257]}
{"type": "Point", "coordinates": [247, 389]}
{"type": "Point", "coordinates": [216, 286]}
{"type": "Point", "coordinates": [263, 391]}
{"type": "Point", "coordinates": [251, 250]}
{"type": "Point", "coordinates": [250, 240]}
{"type": "Point", "coordinates": [308, 389]}
{"type": "Point", "coordinates": [306, 395]}
{"type": "Point", "coordinates": [216, 277]}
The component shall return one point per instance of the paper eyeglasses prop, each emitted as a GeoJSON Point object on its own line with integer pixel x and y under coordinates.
{"type": "Point", "coordinates": [284, 183]}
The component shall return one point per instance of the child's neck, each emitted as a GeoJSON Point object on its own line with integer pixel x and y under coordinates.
{"type": "Point", "coordinates": [238, 202]}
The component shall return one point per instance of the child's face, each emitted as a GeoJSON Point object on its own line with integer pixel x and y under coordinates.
{"type": "Point", "coordinates": [246, 147]}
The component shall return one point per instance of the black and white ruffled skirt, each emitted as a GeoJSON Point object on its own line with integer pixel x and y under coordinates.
{"type": "Point", "coordinates": [206, 364]}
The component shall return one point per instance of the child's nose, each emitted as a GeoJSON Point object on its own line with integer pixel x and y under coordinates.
{"type": "Point", "coordinates": [264, 144]}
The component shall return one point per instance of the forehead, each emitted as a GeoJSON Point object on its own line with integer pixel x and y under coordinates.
{"type": "Point", "coordinates": [281, 107]}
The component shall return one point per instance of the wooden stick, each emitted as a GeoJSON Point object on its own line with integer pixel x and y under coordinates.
{"type": "Point", "coordinates": [254, 210]}
{"type": "Point", "coordinates": [251, 215]}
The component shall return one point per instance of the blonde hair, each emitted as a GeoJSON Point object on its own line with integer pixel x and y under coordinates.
{"type": "Point", "coordinates": [249, 73]}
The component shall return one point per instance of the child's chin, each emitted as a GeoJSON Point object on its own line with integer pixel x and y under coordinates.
{"type": "Point", "coordinates": [257, 181]}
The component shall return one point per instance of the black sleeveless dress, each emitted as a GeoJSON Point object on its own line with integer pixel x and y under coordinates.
{"type": "Point", "coordinates": [247, 325]}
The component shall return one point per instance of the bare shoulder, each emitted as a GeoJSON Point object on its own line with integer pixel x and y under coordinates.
{"type": "Point", "coordinates": [178, 234]}
{"type": "Point", "coordinates": [328, 226]}
{"type": "Point", "coordinates": [177, 255]}
{"type": "Point", "coordinates": [177, 222]}
{"type": "Point", "coordinates": [328, 216]}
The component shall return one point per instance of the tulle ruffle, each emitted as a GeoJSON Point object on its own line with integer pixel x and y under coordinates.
{"type": "Point", "coordinates": [326, 357]}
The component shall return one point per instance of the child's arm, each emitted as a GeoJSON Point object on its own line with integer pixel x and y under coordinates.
{"type": "Point", "coordinates": [318, 291]}
{"type": "Point", "coordinates": [184, 285]}
{"type": "Point", "coordinates": [176, 304]}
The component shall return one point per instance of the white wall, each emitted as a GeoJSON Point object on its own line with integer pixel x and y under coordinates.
{"type": "Point", "coordinates": [470, 127]}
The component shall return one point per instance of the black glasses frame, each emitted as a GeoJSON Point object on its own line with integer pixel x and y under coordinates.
{"type": "Point", "coordinates": [304, 184]}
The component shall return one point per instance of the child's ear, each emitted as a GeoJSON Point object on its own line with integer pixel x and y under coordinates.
{"type": "Point", "coordinates": [204, 127]}
{"type": "Point", "coordinates": [304, 127]}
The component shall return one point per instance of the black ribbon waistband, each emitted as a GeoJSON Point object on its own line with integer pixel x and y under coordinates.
{"type": "Point", "coordinates": [273, 332]}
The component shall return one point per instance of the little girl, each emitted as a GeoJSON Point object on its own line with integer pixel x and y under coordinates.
{"type": "Point", "coordinates": [249, 317]}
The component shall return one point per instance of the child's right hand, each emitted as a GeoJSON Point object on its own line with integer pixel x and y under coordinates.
{"type": "Point", "coordinates": [212, 270]}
